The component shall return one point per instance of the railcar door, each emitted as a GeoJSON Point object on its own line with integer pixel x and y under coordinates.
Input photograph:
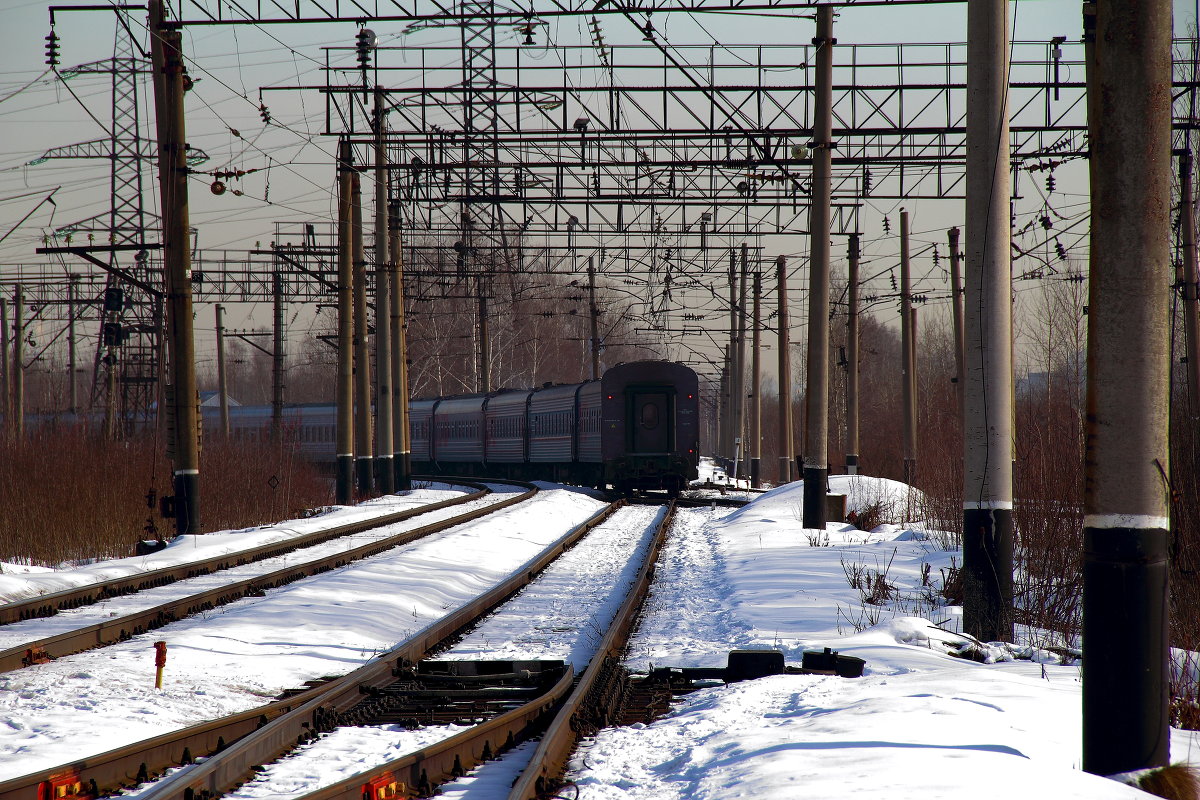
{"type": "Point", "coordinates": [652, 425]}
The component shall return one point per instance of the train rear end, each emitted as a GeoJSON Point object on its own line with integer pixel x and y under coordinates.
{"type": "Point", "coordinates": [651, 427]}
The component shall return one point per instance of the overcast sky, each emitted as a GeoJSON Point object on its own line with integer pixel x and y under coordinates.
{"type": "Point", "coordinates": [232, 64]}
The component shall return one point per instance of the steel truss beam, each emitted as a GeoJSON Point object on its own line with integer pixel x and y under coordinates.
{"type": "Point", "coordinates": [267, 12]}
{"type": "Point", "coordinates": [662, 139]}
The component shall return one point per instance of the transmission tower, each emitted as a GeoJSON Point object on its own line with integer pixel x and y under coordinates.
{"type": "Point", "coordinates": [129, 351]}
{"type": "Point", "coordinates": [481, 155]}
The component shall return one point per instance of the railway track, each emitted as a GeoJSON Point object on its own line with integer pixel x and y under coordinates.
{"type": "Point", "coordinates": [119, 628]}
{"type": "Point", "coordinates": [565, 709]}
{"type": "Point", "coordinates": [276, 726]}
{"type": "Point", "coordinates": [49, 604]}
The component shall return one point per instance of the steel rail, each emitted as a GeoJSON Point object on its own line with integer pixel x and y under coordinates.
{"type": "Point", "coordinates": [117, 629]}
{"type": "Point", "coordinates": [417, 774]}
{"type": "Point", "coordinates": [549, 761]}
{"type": "Point", "coordinates": [238, 743]}
{"type": "Point", "coordinates": [135, 763]}
{"type": "Point", "coordinates": [49, 604]}
{"type": "Point", "coordinates": [237, 763]}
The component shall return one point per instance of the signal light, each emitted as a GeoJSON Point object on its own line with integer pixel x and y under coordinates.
{"type": "Point", "coordinates": [52, 49]}
{"type": "Point", "coordinates": [113, 334]}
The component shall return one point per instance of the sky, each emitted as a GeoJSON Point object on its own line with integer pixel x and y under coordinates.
{"type": "Point", "coordinates": [237, 68]}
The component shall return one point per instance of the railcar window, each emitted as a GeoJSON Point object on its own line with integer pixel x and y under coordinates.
{"type": "Point", "coordinates": [649, 416]}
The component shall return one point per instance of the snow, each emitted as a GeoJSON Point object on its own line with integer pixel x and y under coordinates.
{"type": "Point", "coordinates": [20, 633]}
{"type": "Point", "coordinates": [243, 654]}
{"type": "Point", "coordinates": [919, 723]}
{"type": "Point", "coordinates": [22, 582]}
{"type": "Point", "coordinates": [561, 616]}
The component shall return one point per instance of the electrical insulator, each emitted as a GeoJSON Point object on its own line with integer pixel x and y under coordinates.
{"type": "Point", "coordinates": [364, 41]}
{"type": "Point", "coordinates": [52, 49]}
{"type": "Point", "coordinates": [265, 113]}
{"type": "Point", "coordinates": [1050, 182]}
{"type": "Point", "coordinates": [1046, 223]}
{"type": "Point", "coordinates": [866, 182]}
{"type": "Point", "coordinates": [887, 225]}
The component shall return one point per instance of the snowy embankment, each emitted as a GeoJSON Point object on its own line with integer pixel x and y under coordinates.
{"type": "Point", "coordinates": [30, 630]}
{"type": "Point", "coordinates": [19, 582]}
{"type": "Point", "coordinates": [243, 654]}
{"type": "Point", "coordinates": [919, 724]}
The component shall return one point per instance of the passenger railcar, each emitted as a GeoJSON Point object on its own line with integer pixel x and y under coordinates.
{"type": "Point", "coordinates": [635, 428]}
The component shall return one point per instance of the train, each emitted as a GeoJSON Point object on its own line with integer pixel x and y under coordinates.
{"type": "Point", "coordinates": [636, 428]}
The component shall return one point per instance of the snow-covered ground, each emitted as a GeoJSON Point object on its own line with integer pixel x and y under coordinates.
{"type": "Point", "coordinates": [19, 582]}
{"type": "Point", "coordinates": [562, 615]}
{"type": "Point", "coordinates": [919, 724]}
{"type": "Point", "coordinates": [243, 654]}
{"type": "Point", "coordinates": [19, 633]}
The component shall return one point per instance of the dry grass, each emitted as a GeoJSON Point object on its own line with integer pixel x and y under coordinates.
{"type": "Point", "coordinates": [69, 495]}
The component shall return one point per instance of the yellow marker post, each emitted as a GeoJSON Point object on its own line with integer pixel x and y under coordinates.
{"type": "Point", "coordinates": [160, 661]}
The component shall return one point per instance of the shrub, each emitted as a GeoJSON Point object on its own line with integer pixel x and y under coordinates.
{"type": "Point", "coordinates": [70, 495]}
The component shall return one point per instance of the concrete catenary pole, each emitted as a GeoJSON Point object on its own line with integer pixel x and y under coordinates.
{"type": "Point", "coordinates": [956, 311]}
{"type": "Point", "coordinates": [987, 377]}
{"type": "Point", "coordinates": [110, 394]}
{"type": "Point", "coordinates": [739, 397]}
{"type": "Point", "coordinates": [593, 318]}
{"type": "Point", "coordinates": [485, 336]}
{"type": "Point", "coordinates": [401, 436]}
{"type": "Point", "coordinates": [1188, 283]}
{"type": "Point", "coordinates": [723, 409]}
{"type": "Point", "coordinates": [731, 393]}
{"type": "Point", "coordinates": [1125, 526]}
{"type": "Point", "coordinates": [816, 406]}
{"type": "Point", "coordinates": [786, 431]}
{"type": "Point", "coordinates": [344, 493]}
{"type": "Point", "coordinates": [852, 360]}
{"type": "Point", "coordinates": [756, 386]}
{"type": "Point", "coordinates": [363, 461]}
{"type": "Point", "coordinates": [384, 429]}
{"type": "Point", "coordinates": [278, 358]}
{"type": "Point", "coordinates": [18, 362]}
{"type": "Point", "coordinates": [167, 57]}
{"type": "Point", "coordinates": [5, 393]}
{"type": "Point", "coordinates": [907, 368]}
{"type": "Point", "coordinates": [222, 384]}
{"type": "Point", "coordinates": [72, 384]}
{"type": "Point", "coordinates": [914, 386]}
